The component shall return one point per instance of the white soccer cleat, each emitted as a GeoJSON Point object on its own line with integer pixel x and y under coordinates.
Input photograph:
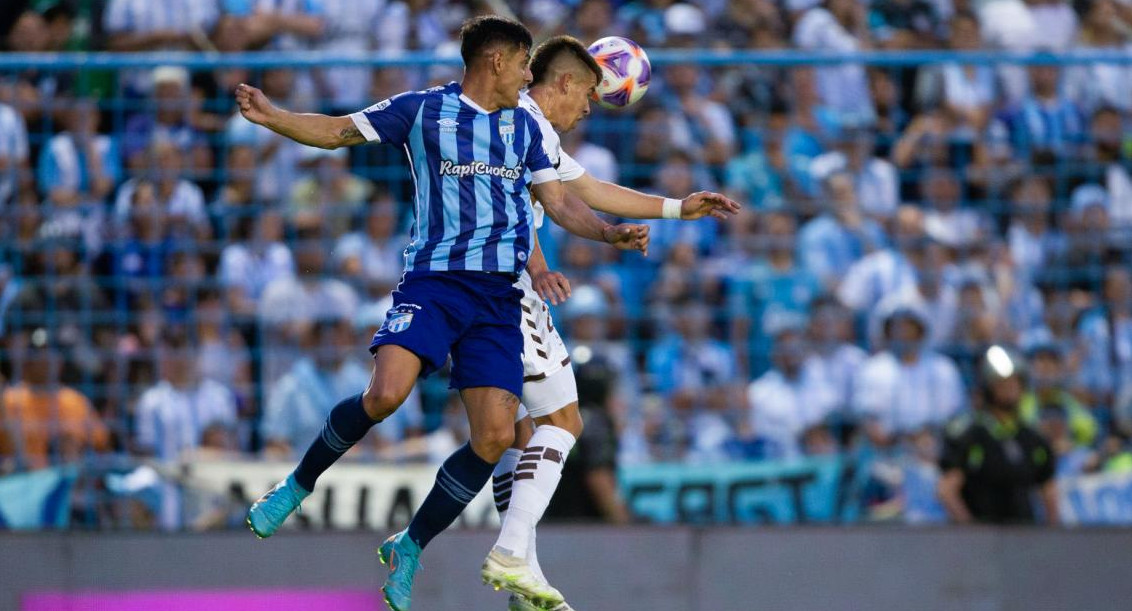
{"type": "Point", "coordinates": [518, 603]}
{"type": "Point", "coordinates": [513, 574]}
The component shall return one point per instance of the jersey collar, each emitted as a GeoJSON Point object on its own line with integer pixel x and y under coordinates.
{"type": "Point", "coordinates": [465, 99]}
{"type": "Point", "coordinates": [525, 95]}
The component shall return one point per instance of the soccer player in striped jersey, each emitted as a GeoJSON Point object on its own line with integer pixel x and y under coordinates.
{"type": "Point", "coordinates": [565, 76]}
{"type": "Point", "coordinates": [473, 156]}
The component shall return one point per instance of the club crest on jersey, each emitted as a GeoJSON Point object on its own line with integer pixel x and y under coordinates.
{"type": "Point", "coordinates": [397, 322]}
{"type": "Point", "coordinates": [507, 130]}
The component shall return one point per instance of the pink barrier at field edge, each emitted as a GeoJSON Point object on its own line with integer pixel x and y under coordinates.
{"type": "Point", "coordinates": [252, 600]}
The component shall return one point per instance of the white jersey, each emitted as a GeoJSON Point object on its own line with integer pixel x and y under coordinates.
{"type": "Point", "coordinates": [548, 379]}
{"type": "Point", "coordinates": [544, 352]}
{"type": "Point", "coordinates": [567, 168]}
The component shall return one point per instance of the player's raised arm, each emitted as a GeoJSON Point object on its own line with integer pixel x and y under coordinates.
{"type": "Point", "coordinates": [628, 203]}
{"type": "Point", "coordinates": [568, 211]}
{"type": "Point", "coordinates": [576, 217]}
{"type": "Point", "coordinates": [317, 130]}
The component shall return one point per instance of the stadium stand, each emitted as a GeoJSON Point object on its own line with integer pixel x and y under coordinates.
{"type": "Point", "coordinates": [921, 180]}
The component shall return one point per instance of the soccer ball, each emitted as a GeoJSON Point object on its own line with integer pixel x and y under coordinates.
{"type": "Point", "coordinates": [625, 71]}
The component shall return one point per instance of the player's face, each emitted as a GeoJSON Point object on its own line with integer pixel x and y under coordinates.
{"type": "Point", "coordinates": [579, 91]}
{"type": "Point", "coordinates": [514, 75]}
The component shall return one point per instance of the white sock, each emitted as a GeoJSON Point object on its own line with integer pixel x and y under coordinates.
{"type": "Point", "coordinates": [501, 480]}
{"type": "Point", "coordinates": [536, 477]}
{"type": "Point", "coordinates": [532, 557]}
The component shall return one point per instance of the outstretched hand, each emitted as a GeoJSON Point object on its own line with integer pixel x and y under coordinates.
{"type": "Point", "coordinates": [253, 104]}
{"type": "Point", "coordinates": [551, 286]}
{"type": "Point", "coordinates": [706, 203]}
{"type": "Point", "coordinates": [627, 236]}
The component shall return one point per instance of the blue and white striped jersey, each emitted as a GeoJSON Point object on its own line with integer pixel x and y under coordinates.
{"type": "Point", "coordinates": [471, 169]}
{"type": "Point", "coordinates": [142, 16]}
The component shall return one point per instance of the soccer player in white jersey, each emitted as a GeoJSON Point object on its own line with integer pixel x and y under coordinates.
{"type": "Point", "coordinates": [564, 77]}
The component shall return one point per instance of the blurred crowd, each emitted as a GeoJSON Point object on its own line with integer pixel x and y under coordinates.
{"type": "Point", "coordinates": [174, 279]}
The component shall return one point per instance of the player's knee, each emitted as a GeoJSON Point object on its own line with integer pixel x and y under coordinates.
{"type": "Point", "coordinates": [568, 419]}
{"type": "Point", "coordinates": [381, 400]}
{"type": "Point", "coordinates": [576, 426]}
{"type": "Point", "coordinates": [491, 444]}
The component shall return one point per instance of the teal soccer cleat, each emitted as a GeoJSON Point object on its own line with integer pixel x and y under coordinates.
{"type": "Point", "coordinates": [268, 513]}
{"type": "Point", "coordinates": [403, 557]}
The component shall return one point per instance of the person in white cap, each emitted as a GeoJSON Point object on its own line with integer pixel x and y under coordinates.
{"type": "Point", "coordinates": [907, 386]}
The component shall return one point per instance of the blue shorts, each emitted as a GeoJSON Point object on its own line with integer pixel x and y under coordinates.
{"type": "Point", "coordinates": [474, 316]}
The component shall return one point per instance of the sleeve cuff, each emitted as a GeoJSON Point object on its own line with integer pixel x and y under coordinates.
{"type": "Point", "coordinates": [541, 176]}
{"type": "Point", "coordinates": [364, 126]}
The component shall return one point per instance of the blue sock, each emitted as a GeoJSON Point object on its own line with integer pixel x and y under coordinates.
{"type": "Point", "coordinates": [347, 424]}
{"type": "Point", "coordinates": [460, 478]}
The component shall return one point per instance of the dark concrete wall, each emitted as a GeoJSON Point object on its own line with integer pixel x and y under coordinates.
{"type": "Point", "coordinates": [639, 568]}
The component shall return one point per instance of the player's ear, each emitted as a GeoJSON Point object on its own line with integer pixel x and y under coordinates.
{"type": "Point", "coordinates": [497, 61]}
{"type": "Point", "coordinates": [564, 81]}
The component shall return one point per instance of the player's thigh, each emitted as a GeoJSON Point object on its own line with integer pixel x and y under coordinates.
{"type": "Point", "coordinates": [568, 418]}
{"type": "Point", "coordinates": [395, 371]}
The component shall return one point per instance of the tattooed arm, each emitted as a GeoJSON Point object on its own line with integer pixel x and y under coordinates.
{"type": "Point", "coordinates": [321, 131]}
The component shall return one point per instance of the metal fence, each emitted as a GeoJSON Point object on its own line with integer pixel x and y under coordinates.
{"type": "Point", "coordinates": [150, 270]}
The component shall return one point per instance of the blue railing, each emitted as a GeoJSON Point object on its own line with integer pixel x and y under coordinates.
{"type": "Point", "coordinates": [662, 57]}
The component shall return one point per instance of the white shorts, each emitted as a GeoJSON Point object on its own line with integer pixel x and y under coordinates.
{"type": "Point", "coordinates": [548, 378]}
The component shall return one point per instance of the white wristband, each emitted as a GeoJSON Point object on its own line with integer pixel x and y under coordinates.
{"type": "Point", "coordinates": [671, 208]}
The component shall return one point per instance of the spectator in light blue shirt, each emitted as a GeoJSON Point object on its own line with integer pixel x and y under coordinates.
{"type": "Point", "coordinates": [688, 361]}
{"type": "Point", "coordinates": [13, 153]}
{"type": "Point", "coordinates": [298, 404]}
{"type": "Point", "coordinates": [757, 176]}
{"type": "Point", "coordinates": [768, 290]}
{"type": "Point", "coordinates": [680, 174]}
{"type": "Point", "coordinates": [1047, 125]}
{"type": "Point", "coordinates": [810, 123]}
{"type": "Point", "coordinates": [888, 271]}
{"type": "Point", "coordinates": [694, 372]}
{"type": "Point", "coordinates": [789, 399]}
{"type": "Point", "coordinates": [1104, 336]}
{"type": "Point", "coordinates": [79, 165]}
{"type": "Point", "coordinates": [873, 177]}
{"type": "Point", "coordinates": [829, 244]}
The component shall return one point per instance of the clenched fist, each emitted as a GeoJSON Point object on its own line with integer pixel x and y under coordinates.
{"type": "Point", "coordinates": [253, 104]}
{"type": "Point", "coordinates": [628, 237]}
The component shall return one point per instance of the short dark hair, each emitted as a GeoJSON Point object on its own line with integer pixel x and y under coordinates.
{"type": "Point", "coordinates": [554, 47]}
{"type": "Point", "coordinates": [479, 33]}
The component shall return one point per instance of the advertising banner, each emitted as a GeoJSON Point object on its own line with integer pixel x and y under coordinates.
{"type": "Point", "coordinates": [816, 489]}
{"type": "Point", "coordinates": [1104, 499]}
{"type": "Point", "coordinates": [348, 496]}
{"type": "Point", "coordinates": [37, 499]}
